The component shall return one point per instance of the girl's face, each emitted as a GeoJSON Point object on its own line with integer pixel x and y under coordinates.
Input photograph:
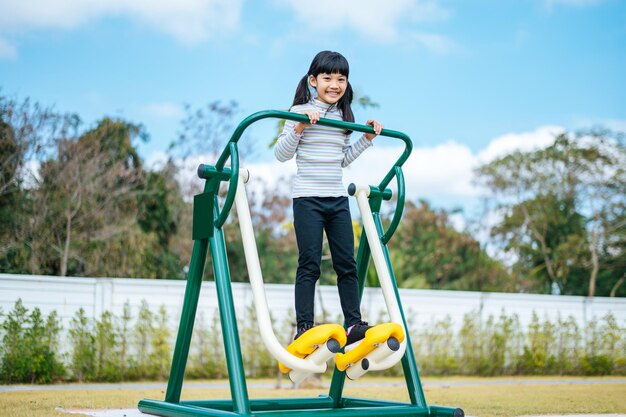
{"type": "Point", "coordinates": [330, 87]}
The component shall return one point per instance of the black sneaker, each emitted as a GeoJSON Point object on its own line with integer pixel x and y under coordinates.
{"type": "Point", "coordinates": [302, 329]}
{"type": "Point", "coordinates": [356, 332]}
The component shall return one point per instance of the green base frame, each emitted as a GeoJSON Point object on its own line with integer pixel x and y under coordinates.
{"type": "Point", "coordinates": [297, 407]}
{"type": "Point", "coordinates": [208, 234]}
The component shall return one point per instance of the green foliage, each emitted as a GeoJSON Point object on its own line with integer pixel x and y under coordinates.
{"type": "Point", "coordinates": [160, 208]}
{"type": "Point", "coordinates": [563, 212]}
{"type": "Point", "coordinates": [88, 192]}
{"type": "Point", "coordinates": [108, 366]}
{"type": "Point", "coordinates": [29, 347]}
{"type": "Point", "coordinates": [160, 357]}
{"type": "Point", "coordinates": [502, 347]}
{"type": "Point", "coordinates": [88, 201]}
{"type": "Point", "coordinates": [28, 131]}
{"type": "Point", "coordinates": [125, 361]}
{"type": "Point", "coordinates": [82, 337]}
{"type": "Point", "coordinates": [568, 345]}
{"type": "Point", "coordinates": [14, 361]}
{"type": "Point", "coordinates": [39, 341]}
{"type": "Point", "coordinates": [143, 334]}
{"type": "Point", "coordinates": [258, 361]}
{"type": "Point", "coordinates": [537, 357]}
{"type": "Point", "coordinates": [115, 349]}
{"type": "Point", "coordinates": [597, 364]}
{"type": "Point", "coordinates": [427, 252]}
{"type": "Point", "coordinates": [436, 347]}
{"type": "Point", "coordinates": [207, 350]}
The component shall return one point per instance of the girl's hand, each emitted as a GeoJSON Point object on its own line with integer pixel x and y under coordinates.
{"type": "Point", "coordinates": [378, 127]}
{"type": "Point", "coordinates": [314, 117]}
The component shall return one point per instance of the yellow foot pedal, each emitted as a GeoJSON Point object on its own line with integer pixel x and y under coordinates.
{"type": "Point", "coordinates": [380, 341]}
{"type": "Point", "coordinates": [317, 344]}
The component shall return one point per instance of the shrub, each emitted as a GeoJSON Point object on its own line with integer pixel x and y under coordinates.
{"type": "Point", "coordinates": [160, 358]}
{"type": "Point", "coordinates": [597, 364]}
{"type": "Point", "coordinates": [143, 334]}
{"type": "Point", "coordinates": [29, 347]}
{"type": "Point", "coordinates": [437, 348]}
{"type": "Point", "coordinates": [83, 341]}
{"type": "Point", "coordinates": [126, 361]}
{"type": "Point", "coordinates": [537, 357]}
{"type": "Point", "coordinates": [109, 367]}
{"type": "Point", "coordinates": [40, 339]}
{"type": "Point", "coordinates": [120, 348]}
{"type": "Point", "coordinates": [14, 360]}
{"type": "Point", "coordinates": [568, 340]}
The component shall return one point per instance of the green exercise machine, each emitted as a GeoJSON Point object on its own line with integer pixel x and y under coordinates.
{"type": "Point", "coordinates": [384, 345]}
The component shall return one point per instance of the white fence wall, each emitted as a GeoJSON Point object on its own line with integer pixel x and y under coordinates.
{"type": "Point", "coordinates": [422, 307]}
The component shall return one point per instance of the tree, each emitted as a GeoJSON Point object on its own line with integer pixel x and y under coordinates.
{"type": "Point", "coordinates": [88, 191]}
{"type": "Point", "coordinates": [562, 210]}
{"type": "Point", "coordinates": [28, 133]}
{"type": "Point", "coordinates": [427, 252]}
{"type": "Point", "coordinates": [12, 201]}
{"type": "Point", "coordinates": [160, 211]}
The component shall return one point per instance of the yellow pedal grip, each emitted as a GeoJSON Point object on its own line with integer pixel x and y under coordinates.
{"type": "Point", "coordinates": [312, 338]}
{"type": "Point", "coordinates": [373, 338]}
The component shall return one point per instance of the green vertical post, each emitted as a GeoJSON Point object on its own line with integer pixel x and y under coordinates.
{"type": "Point", "coordinates": [187, 318]}
{"type": "Point", "coordinates": [203, 215]}
{"type": "Point", "coordinates": [232, 347]}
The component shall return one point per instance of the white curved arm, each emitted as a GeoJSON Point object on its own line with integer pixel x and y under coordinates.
{"type": "Point", "coordinates": [320, 356]}
{"type": "Point", "coordinates": [256, 281]}
{"type": "Point", "coordinates": [361, 194]}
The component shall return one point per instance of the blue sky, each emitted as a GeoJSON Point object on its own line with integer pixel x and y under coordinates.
{"type": "Point", "coordinates": [466, 80]}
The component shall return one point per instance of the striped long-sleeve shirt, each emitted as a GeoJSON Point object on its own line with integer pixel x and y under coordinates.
{"type": "Point", "coordinates": [321, 153]}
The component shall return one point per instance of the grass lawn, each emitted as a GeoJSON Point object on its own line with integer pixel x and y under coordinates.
{"type": "Point", "coordinates": [481, 400]}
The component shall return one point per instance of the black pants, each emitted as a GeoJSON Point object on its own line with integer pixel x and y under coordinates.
{"type": "Point", "coordinates": [313, 215]}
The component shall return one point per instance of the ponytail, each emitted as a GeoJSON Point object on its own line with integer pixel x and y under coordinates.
{"type": "Point", "coordinates": [345, 104]}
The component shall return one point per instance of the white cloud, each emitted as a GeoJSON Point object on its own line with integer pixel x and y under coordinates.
{"type": "Point", "coordinates": [525, 141]}
{"type": "Point", "coordinates": [165, 110]}
{"type": "Point", "coordinates": [436, 43]}
{"type": "Point", "coordinates": [372, 19]}
{"type": "Point", "coordinates": [7, 50]}
{"type": "Point", "coordinates": [189, 21]}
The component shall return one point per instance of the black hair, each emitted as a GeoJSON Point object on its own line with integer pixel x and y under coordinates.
{"type": "Point", "coordinates": [327, 62]}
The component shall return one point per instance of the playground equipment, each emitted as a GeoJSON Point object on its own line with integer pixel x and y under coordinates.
{"type": "Point", "coordinates": [384, 345]}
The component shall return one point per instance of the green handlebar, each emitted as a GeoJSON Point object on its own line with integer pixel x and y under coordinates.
{"type": "Point", "coordinates": [231, 151]}
{"type": "Point", "coordinates": [276, 114]}
{"type": "Point", "coordinates": [397, 215]}
{"type": "Point", "coordinates": [232, 187]}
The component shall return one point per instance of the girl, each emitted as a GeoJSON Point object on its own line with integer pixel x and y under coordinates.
{"type": "Point", "coordinates": [320, 201]}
